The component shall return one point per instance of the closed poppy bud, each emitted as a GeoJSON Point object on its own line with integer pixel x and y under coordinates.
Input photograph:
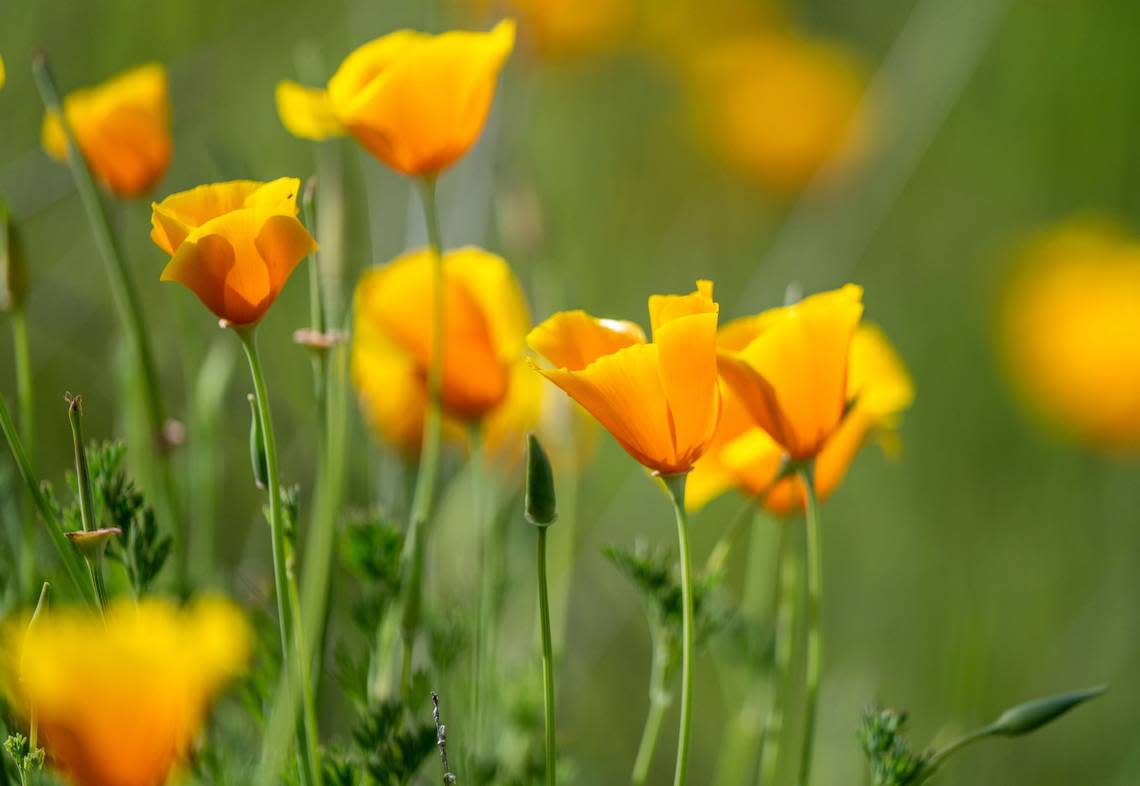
{"type": "Point", "coordinates": [13, 270]}
{"type": "Point", "coordinates": [234, 244]}
{"type": "Point", "coordinates": [660, 400]}
{"type": "Point", "coordinates": [541, 506]}
{"type": "Point", "coordinates": [417, 102]}
{"type": "Point", "coordinates": [128, 710]}
{"type": "Point", "coordinates": [392, 340]}
{"type": "Point", "coordinates": [257, 458]}
{"type": "Point", "coordinates": [122, 128]}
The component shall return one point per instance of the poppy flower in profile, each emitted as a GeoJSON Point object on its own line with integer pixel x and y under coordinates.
{"type": "Point", "coordinates": [234, 244]}
{"type": "Point", "coordinates": [122, 127]}
{"type": "Point", "coordinates": [659, 400]}
{"type": "Point", "coordinates": [417, 102]}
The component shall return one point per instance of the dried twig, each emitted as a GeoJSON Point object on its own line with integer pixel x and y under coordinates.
{"type": "Point", "coordinates": [441, 741]}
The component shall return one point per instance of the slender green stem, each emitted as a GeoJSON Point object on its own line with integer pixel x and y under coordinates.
{"type": "Point", "coordinates": [814, 666]}
{"type": "Point", "coordinates": [547, 659]}
{"type": "Point", "coordinates": [67, 552]}
{"type": "Point", "coordinates": [940, 756]}
{"type": "Point", "coordinates": [423, 498]}
{"type": "Point", "coordinates": [86, 496]}
{"type": "Point", "coordinates": [483, 535]}
{"type": "Point", "coordinates": [676, 486]}
{"type": "Point", "coordinates": [286, 614]}
{"type": "Point", "coordinates": [129, 306]}
{"type": "Point", "coordinates": [660, 699]}
{"type": "Point", "coordinates": [790, 575]}
{"type": "Point", "coordinates": [25, 400]}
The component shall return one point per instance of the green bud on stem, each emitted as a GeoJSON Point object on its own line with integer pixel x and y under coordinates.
{"type": "Point", "coordinates": [257, 447]}
{"type": "Point", "coordinates": [541, 504]}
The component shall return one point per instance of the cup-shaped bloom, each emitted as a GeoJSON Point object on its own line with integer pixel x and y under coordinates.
{"type": "Point", "coordinates": [776, 108]}
{"type": "Point", "coordinates": [790, 370]}
{"type": "Point", "coordinates": [392, 339]}
{"type": "Point", "coordinates": [234, 244]}
{"type": "Point", "coordinates": [745, 456]}
{"type": "Point", "coordinates": [417, 102]}
{"type": "Point", "coordinates": [1069, 331]}
{"type": "Point", "coordinates": [659, 400]}
{"type": "Point", "coordinates": [120, 701]}
{"type": "Point", "coordinates": [122, 127]}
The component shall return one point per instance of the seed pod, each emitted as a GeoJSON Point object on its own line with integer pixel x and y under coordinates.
{"type": "Point", "coordinates": [257, 447]}
{"type": "Point", "coordinates": [541, 505]}
{"type": "Point", "coordinates": [1032, 715]}
{"type": "Point", "coordinates": [13, 272]}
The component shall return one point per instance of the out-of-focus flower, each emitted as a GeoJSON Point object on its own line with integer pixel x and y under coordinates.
{"type": "Point", "coordinates": [660, 400]}
{"type": "Point", "coordinates": [744, 456]}
{"type": "Point", "coordinates": [417, 102]}
{"type": "Point", "coordinates": [483, 377]}
{"type": "Point", "coordinates": [574, 28]}
{"type": "Point", "coordinates": [119, 701]}
{"type": "Point", "coordinates": [234, 244]}
{"type": "Point", "coordinates": [678, 32]}
{"type": "Point", "coordinates": [1069, 331]}
{"type": "Point", "coordinates": [3, 73]}
{"type": "Point", "coordinates": [777, 107]}
{"type": "Point", "coordinates": [122, 127]}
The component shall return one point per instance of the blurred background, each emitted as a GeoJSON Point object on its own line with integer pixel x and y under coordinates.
{"type": "Point", "coordinates": [910, 146]}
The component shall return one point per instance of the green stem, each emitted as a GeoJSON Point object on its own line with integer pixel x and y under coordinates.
{"type": "Point", "coordinates": [814, 666]}
{"type": "Point", "coordinates": [25, 400]}
{"type": "Point", "coordinates": [547, 659]}
{"type": "Point", "coordinates": [128, 304]}
{"type": "Point", "coordinates": [676, 486]}
{"type": "Point", "coordinates": [660, 699]}
{"type": "Point", "coordinates": [86, 495]}
{"type": "Point", "coordinates": [483, 535]}
{"type": "Point", "coordinates": [790, 574]}
{"type": "Point", "coordinates": [423, 497]}
{"type": "Point", "coordinates": [286, 615]}
{"type": "Point", "coordinates": [67, 552]}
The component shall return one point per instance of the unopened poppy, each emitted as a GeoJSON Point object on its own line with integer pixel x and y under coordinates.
{"type": "Point", "coordinates": [659, 400]}
{"type": "Point", "coordinates": [120, 699]}
{"type": "Point", "coordinates": [122, 127]}
{"type": "Point", "coordinates": [234, 244]}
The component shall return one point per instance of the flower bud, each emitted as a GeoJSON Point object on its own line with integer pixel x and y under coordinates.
{"type": "Point", "coordinates": [257, 447]}
{"type": "Point", "coordinates": [1032, 715]}
{"type": "Point", "coordinates": [13, 271]}
{"type": "Point", "coordinates": [541, 505]}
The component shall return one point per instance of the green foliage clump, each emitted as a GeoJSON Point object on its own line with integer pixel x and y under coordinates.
{"type": "Point", "coordinates": [888, 753]}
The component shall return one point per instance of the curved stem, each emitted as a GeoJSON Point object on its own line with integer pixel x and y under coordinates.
{"type": "Point", "coordinates": [660, 698]}
{"type": "Point", "coordinates": [25, 400]}
{"type": "Point", "coordinates": [676, 486]}
{"type": "Point", "coordinates": [286, 614]}
{"type": "Point", "coordinates": [424, 495]}
{"type": "Point", "coordinates": [814, 621]}
{"type": "Point", "coordinates": [129, 305]}
{"type": "Point", "coordinates": [547, 659]}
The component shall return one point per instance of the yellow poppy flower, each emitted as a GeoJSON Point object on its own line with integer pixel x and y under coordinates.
{"type": "Point", "coordinates": [660, 400]}
{"type": "Point", "coordinates": [123, 128]}
{"type": "Point", "coordinates": [572, 28]}
{"type": "Point", "coordinates": [3, 73]}
{"type": "Point", "coordinates": [119, 701]}
{"type": "Point", "coordinates": [745, 456]}
{"type": "Point", "coordinates": [777, 107]}
{"type": "Point", "coordinates": [485, 327]}
{"type": "Point", "coordinates": [417, 102]}
{"type": "Point", "coordinates": [791, 375]}
{"type": "Point", "coordinates": [1069, 330]}
{"type": "Point", "coordinates": [234, 244]}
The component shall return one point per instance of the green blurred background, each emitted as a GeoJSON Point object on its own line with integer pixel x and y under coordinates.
{"type": "Point", "coordinates": [988, 565]}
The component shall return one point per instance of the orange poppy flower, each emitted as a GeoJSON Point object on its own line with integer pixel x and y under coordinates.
{"type": "Point", "coordinates": [119, 700]}
{"type": "Point", "coordinates": [1069, 331]}
{"type": "Point", "coordinates": [660, 400]}
{"type": "Point", "coordinates": [123, 128]}
{"type": "Point", "coordinates": [234, 244]}
{"type": "Point", "coordinates": [486, 324]}
{"type": "Point", "coordinates": [745, 456]}
{"type": "Point", "coordinates": [417, 102]}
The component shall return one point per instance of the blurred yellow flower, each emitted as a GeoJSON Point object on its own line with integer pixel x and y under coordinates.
{"type": "Point", "coordinates": [123, 128]}
{"type": "Point", "coordinates": [234, 244]}
{"type": "Point", "coordinates": [119, 701]}
{"type": "Point", "coordinates": [660, 400]}
{"type": "Point", "coordinates": [486, 325]}
{"type": "Point", "coordinates": [574, 28]}
{"type": "Point", "coordinates": [777, 107]}
{"type": "Point", "coordinates": [417, 102]}
{"type": "Point", "coordinates": [3, 73]}
{"type": "Point", "coordinates": [1069, 331]}
{"type": "Point", "coordinates": [744, 456]}
{"type": "Point", "coordinates": [788, 367]}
